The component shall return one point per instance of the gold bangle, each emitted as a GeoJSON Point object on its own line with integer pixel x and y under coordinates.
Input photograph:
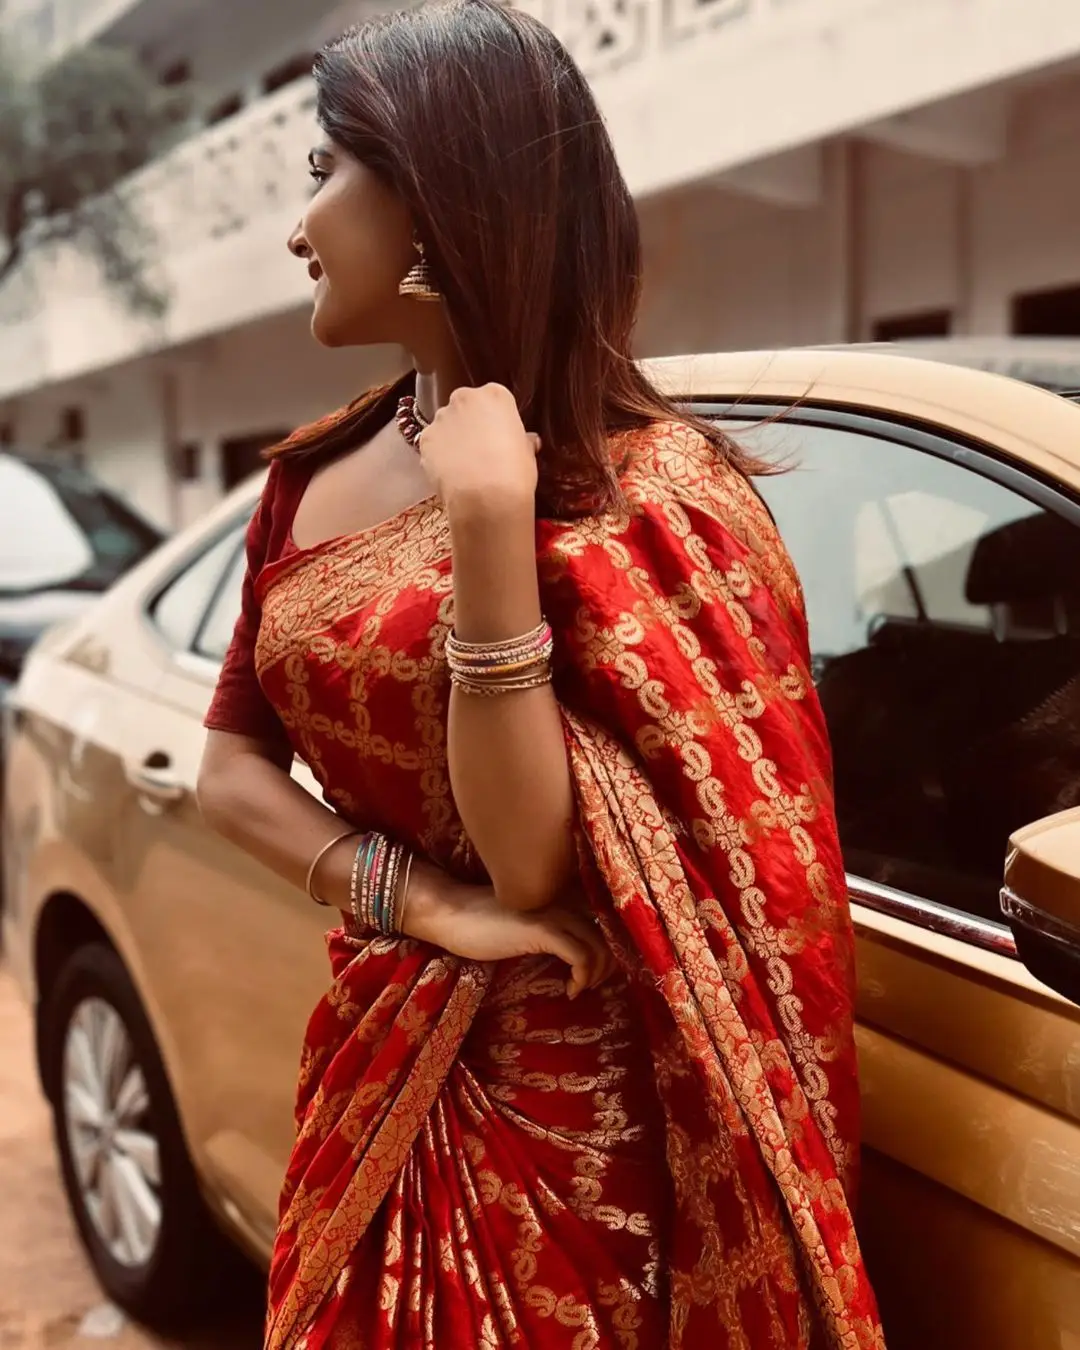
{"type": "Point", "coordinates": [492, 688]}
{"type": "Point", "coordinates": [493, 658]}
{"type": "Point", "coordinates": [309, 883]}
{"type": "Point", "coordinates": [403, 896]}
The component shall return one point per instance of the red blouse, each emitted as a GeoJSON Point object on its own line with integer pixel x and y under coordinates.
{"type": "Point", "coordinates": [239, 704]}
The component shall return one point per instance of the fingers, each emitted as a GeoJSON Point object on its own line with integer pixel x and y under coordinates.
{"type": "Point", "coordinates": [599, 959]}
{"type": "Point", "coordinates": [586, 931]}
{"type": "Point", "coordinates": [577, 954]}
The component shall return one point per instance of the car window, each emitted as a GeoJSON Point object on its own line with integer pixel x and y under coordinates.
{"type": "Point", "coordinates": [58, 527]}
{"type": "Point", "coordinates": [944, 613]}
{"type": "Point", "coordinates": [215, 633]}
{"type": "Point", "coordinates": [191, 596]}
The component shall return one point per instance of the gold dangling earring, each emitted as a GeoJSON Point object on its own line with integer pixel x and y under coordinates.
{"type": "Point", "coordinates": [417, 283]}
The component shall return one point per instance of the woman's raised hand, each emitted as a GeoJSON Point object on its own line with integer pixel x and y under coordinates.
{"type": "Point", "coordinates": [469, 922]}
{"type": "Point", "coordinates": [477, 453]}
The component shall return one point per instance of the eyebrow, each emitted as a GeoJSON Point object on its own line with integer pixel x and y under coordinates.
{"type": "Point", "coordinates": [318, 152]}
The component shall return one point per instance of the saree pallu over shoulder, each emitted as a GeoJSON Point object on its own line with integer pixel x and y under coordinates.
{"type": "Point", "coordinates": [480, 1162]}
{"type": "Point", "coordinates": [703, 781]}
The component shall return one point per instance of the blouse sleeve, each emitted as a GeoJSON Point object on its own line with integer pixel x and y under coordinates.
{"type": "Point", "coordinates": [239, 704]}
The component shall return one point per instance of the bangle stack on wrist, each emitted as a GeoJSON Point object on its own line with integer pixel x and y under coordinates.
{"type": "Point", "coordinates": [492, 668]}
{"type": "Point", "coordinates": [379, 884]}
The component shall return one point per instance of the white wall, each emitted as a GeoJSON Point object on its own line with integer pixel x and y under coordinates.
{"type": "Point", "coordinates": [727, 272]}
{"type": "Point", "coordinates": [273, 375]}
{"type": "Point", "coordinates": [723, 271]}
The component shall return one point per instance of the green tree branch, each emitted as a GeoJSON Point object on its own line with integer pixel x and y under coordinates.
{"type": "Point", "coordinates": [70, 134]}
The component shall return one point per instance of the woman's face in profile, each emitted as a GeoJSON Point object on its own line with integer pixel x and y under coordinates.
{"type": "Point", "coordinates": [356, 238]}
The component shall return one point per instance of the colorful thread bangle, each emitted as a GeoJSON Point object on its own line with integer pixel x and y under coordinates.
{"type": "Point", "coordinates": [358, 881]}
{"type": "Point", "coordinates": [375, 884]}
{"type": "Point", "coordinates": [370, 864]}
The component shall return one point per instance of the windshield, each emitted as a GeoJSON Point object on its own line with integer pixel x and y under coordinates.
{"type": "Point", "coordinates": [58, 527]}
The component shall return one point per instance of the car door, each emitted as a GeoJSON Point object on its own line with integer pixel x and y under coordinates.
{"type": "Point", "coordinates": [943, 593]}
{"type": "Point", "coordinates": [232, 958]}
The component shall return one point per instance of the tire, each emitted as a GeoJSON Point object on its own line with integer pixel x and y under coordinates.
{"type": "Point", "coordinates": [129, 1180]}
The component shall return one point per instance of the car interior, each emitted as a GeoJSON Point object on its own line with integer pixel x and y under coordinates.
{"type": "Point", "coordinates": [948, 735]}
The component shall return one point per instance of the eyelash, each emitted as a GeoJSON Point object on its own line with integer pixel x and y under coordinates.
{"type": "Point", "coordinates": [318, 176]}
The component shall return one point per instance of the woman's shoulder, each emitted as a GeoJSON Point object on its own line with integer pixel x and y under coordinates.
{"type": "Point", "coordinates": [684, 478]}
{"type": "Point", "coordinates": [662, 466]}
{"type": "Point", "coordinates": [674, 458]}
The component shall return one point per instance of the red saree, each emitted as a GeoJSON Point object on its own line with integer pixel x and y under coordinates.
{"type": "Point", "coordinates": [667, 1161]}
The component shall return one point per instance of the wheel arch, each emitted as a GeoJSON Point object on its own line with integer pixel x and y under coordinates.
{"type": "Point", "coordinates": [66, 923]}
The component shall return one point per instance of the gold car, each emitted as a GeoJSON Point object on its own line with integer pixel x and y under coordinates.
{"type": "Point", "coordinates": [934, 513]}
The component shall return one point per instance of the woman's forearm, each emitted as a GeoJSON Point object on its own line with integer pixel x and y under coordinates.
{"type": "Point", "coordinates": [247, 796]}
{"type": "Point", "coordinates": [508, 764]}
{"type": "Point", "coordinates": [254, 803]}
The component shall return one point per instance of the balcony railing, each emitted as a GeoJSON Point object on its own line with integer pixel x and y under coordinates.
{"type": "Point", "coordinates": [213, 184]}
{"type": "Point", "coordinates": [603, 35]}
{"type": "Point", "coordinates": [690, 89]}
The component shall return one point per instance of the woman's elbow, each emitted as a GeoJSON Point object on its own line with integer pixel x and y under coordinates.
{"type": "Point", "coordinates": [231, 778]}
{"type": "Point", "coordinates": [214, 795]}
{"type": "Point", "coordinates": [221, 791]}
{"type": "Point", "coordinates": [540, 884]}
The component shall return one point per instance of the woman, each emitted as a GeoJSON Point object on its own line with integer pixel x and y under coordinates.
{"type": "Point", "coordinates": [537, 638]}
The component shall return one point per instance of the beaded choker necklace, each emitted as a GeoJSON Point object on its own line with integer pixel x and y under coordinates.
{"type": "Point", "coordinates": [411, 421]}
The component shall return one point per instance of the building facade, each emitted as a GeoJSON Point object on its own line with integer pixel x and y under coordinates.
{"type": "Point", "coordinates": [807, 171]}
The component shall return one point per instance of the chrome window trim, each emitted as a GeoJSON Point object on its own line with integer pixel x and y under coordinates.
{"type": "Point", "coordinates": [157, 587]}
{"type": "Point", "coordinates": [934, 917]}
{"type": "Point", "coordinates": [1038, 921]}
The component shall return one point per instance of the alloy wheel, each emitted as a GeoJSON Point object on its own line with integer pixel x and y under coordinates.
{"type": "Point", "coordinates": [115, 1152]}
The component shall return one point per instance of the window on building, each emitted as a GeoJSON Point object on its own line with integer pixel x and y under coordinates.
{"type": "Point", "coordinates": [295, 68]}
{"type": "Point", "coordinates": [901, 327]}
{"type": "Point", "coordinates": [189, 462]}
{"type": "Point", "coordinates": [1053, 313]}
{"type": "Point", "coordinates": [72, 425]}
{"type": "Point", "coordinates": [7, 433]}
{"type": "Point", "coordinates": [176, 74]}
{"type": "Point", "coordinates": [226, 108]}
{"type": "Point", "coordinates": [944, 612]}
{"type": "Point", "coordinates": [241, 456]}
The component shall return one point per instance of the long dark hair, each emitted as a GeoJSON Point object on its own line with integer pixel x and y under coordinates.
{"type": "Point", "coordinates": [477, 116]}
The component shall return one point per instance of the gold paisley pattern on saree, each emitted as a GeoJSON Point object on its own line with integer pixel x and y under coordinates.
{"type": "Point", "coordinates": [668, 1161]}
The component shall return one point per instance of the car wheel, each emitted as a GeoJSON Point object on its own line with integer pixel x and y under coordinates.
{"type": "Point", "coordinates": [129, 1181]}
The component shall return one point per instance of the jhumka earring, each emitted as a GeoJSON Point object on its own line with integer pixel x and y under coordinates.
{"type": "Point", "coordinates": [417, 283]}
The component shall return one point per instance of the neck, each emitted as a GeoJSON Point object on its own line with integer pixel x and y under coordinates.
{"type": "Point", "coordinates": [437, 376]}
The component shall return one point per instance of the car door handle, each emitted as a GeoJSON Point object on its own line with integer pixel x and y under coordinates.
{"type": "Point", "coordinates": [155, 781]}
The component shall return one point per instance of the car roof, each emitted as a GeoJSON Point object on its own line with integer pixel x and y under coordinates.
{"type": "Point", "coordinates": [1050, 362]}
{"type": "Point", "coordinates": [1020, 421]}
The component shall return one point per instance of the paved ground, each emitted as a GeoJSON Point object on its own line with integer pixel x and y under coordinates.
{"type": "Point", "coordinates": [48, 1297]}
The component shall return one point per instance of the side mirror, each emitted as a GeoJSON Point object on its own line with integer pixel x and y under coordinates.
{"type": "Point", "coordinates": [1041, 900]}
